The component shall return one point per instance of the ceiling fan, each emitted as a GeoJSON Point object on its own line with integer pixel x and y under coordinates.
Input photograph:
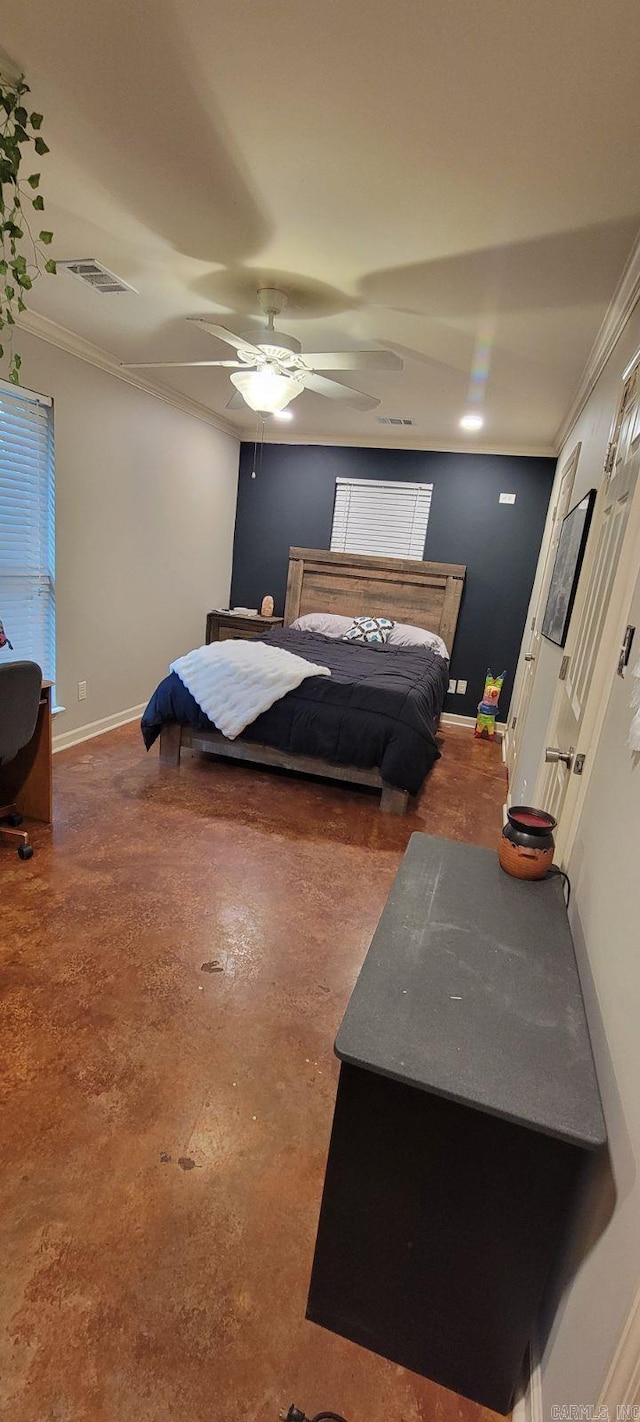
{"type": "Point", "coordinates": [270, 368]}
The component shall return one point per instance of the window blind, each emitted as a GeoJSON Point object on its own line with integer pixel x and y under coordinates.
{"type": "Point", "coordinates": [27, 533]}
{"type": "Point", "coordinates": [373, 516]}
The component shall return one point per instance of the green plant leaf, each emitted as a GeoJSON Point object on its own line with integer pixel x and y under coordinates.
{"type": "Point", "coordinates": [34, 180]}
{"type": "Point", "coordinates": [11, 320]}
{"type": "Point", "coordinates": [1, 352]}
{"type": "Point", "coordinates": [19, 263]}
{"type": "Point", "coordinates": [9, 292]}
{"type": "Point", "coordinates": [38, 202]}
{"type": "Point", "coordinates": [3, 268]}
{"type": "Point", "coordinates": [40, 145]}
{"type": "Point", "coordinates": [14, 377]}
{"type": "Point", "coordinates": [21, 116]}
{"type": "Point", "coordinates": [21, 133]}
{"type": "Point", "coordinates": [50, 266]}
{"type": "Point", "coordinates": [35, 120]}
{"type": "Point", "coordinates": [17, 361]}
{"type": "Point", "coordinates": [46, 237]}
{"type": "Point", "coordinates": [21, 304]}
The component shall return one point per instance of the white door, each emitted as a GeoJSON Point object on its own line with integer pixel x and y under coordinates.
{"type": "Point", "coordinates": [527, 670]}
{"type": "Point", "coordinates": [590, 653]}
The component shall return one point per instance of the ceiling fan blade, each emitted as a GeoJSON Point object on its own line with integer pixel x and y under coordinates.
{"type": "Point", "coordinates": [352, 360]}
{"type": "Point", "coordinates": [224, 334]}
{"type": "Point", "coordinates": [236, 402]}
{"type": "Point", "coordinates": [334, 391]}
{"type": "Point", "coordinates": [167, 364]}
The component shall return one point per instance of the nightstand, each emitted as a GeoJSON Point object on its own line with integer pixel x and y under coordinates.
{"type": "Point", "coordinates": [222, 625]}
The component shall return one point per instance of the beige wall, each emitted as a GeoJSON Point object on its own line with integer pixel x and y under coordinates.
{"type": "Point", "coordinates": [145, 509]}
{"type": "Point", "coordinates": [605, 918]}
{"type": "Point", "coordinates": [592, 429]}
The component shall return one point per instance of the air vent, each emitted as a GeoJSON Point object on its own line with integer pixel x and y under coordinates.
{"type": "Point", "coordinates": [95, 275]}
{"type": "Point", "coordinates": [393, 420]}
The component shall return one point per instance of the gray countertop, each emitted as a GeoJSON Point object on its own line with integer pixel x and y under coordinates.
{"type": "Point", "coordinates": [470, 990]}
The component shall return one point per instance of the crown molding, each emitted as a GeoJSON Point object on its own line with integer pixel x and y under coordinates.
{"type": "Point", "coordinates": [624, 300]}
{"type": "Point", "coordinates": [417, 442]}
{"type": "Point", "coordinates": [65, 340]}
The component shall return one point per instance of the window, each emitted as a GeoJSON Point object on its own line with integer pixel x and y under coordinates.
{"type": "Point", "coordinates": [27, 544]}
{"type": "Point", "coordinates": [373, 516]}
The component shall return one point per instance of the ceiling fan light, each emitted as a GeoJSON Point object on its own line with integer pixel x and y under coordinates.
{"type": "Point", "coordinates": [265, 389]}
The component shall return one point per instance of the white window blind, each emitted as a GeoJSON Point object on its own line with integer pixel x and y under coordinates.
{"type": "Point", "coordinates": [373, 516]}
{"type": "Point", "coordinates": [27, 535]}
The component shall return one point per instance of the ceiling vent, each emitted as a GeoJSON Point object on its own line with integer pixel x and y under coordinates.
{"type": "Point", "coordinates": [393, 420]}
{"type": "Point", "coordinates": [94, 274]}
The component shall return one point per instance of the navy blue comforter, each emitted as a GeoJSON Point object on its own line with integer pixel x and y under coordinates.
{"type": "Point", "coordinates": [380, 707]}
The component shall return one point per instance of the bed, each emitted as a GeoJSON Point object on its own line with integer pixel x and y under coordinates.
{"type": "Point", "coordinates": [374, 721]}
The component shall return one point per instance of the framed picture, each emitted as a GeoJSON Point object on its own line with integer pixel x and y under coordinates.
{"type": "Point", "coordinates": [566, 570]}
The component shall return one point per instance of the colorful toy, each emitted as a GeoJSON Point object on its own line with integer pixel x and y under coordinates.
{"type": "Point", "coordinates": [488, 707]}
{"type": "Point", "coordinates": [4, 640]}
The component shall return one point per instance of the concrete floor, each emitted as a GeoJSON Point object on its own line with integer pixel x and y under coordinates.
{"type": "Point", "coordinates": [164, 1127]}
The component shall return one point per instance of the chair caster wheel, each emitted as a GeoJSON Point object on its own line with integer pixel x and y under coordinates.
{"type": "Point", "coordinates": [14, 820]}
{"type": "Point", "coordinates": [25, 851]}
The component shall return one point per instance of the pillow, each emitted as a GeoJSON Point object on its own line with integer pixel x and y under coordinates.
{"type": "Point", "coordinates": [368, 629]}
{"type": "Point", "coordinates": [328, 623]}
{"type": "Point", "coordinates": [404, 635]}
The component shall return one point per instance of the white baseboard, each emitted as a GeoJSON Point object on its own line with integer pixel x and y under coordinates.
{"type": "Point", "coordinates": [528, 1408]}
{"type": "Point", "coordinates": [449, 718]}
{"type": "Point", "coordinates": [622, 1386]}
{"type": "Point", "coordinates": [96, 728]}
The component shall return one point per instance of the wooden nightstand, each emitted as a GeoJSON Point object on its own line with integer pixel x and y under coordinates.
{"type": "Point", "coordinates": [221, 625]}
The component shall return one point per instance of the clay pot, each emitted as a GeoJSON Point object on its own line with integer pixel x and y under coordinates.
{"type": "Point", "coordinates": [526, 844]}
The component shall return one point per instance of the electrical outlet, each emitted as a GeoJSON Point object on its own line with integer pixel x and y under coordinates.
{"type": "Point", "coordinates": [452, 687]}
{"type": "Point", "coordinates": [462, 687]}
{"type": "Point", "coordinates": [507, 499]}
{"type": "Point", "coordinates": [82, 691]}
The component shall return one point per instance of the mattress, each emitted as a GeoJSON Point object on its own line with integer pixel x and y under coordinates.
{"type": "Point", "coordinates": [379, 708]}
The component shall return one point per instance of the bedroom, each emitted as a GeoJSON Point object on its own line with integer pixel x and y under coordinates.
{"type": "Point", "coordinates": [172, 165]}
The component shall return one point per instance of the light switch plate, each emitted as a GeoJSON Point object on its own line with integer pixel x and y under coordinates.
{"type": "Point", "coordinates": [452, 687]}
{"type": "Point", "coordinates": [462, 687]}
{"type": "Point", "coordinates": [507, 499]}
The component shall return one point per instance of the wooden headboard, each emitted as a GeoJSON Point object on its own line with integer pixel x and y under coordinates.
{"type": "Point", "coordinates": [427, 595]}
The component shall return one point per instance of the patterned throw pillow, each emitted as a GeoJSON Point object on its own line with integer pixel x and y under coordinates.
{"type": "Point", "coordinates": [368, 629]}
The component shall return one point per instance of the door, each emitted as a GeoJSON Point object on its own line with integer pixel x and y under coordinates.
{"type": "Point", "coordinates": [590, 653]}
{"type": "Point", "coordinates": [527, 670]}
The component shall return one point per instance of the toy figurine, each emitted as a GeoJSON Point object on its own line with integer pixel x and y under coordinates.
{"type": "Point", "coordinates": [488, 707]}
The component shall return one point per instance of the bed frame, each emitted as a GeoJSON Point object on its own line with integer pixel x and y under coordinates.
{"type": "Point", "coordinates": [427, 595]}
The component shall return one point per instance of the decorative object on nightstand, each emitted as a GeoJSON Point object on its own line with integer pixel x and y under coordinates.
{"type": "Point", "coordinates": [234, 623]}
{"type": "Point", "coordinates": [4, 640]}
{"type": "Point", "coordinates": [266, 607]}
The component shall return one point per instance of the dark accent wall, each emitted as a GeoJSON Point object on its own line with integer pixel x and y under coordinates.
{"type": "Point", "coordinates": [290, 502]}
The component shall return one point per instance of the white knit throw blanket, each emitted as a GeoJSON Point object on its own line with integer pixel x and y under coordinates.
{"type": "Point", "coordinates": [235, 681]}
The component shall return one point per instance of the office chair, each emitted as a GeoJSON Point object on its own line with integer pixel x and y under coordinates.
{"type": "Point", "coordinates": [20, 684]}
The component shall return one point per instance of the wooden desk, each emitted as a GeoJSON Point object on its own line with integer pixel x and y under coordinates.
{"type": "Point", "coordinates": [467, 1107]}
{"type": "Point", "coordinates": [27, 781]}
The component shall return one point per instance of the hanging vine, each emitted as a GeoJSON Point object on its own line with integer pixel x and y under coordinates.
{"type": "Point", "coordinates": [23, 256]}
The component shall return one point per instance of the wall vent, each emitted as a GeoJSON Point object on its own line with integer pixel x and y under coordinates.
{"type": "Point", "coordinates": [92, 273]}
{"type": "Point", "coordinates": [393, 420]}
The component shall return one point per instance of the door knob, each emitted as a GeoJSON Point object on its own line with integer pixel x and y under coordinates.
{"type": "Point", "coordinates": [553, 754]}
{"type": "Point", "coordinates": [529, 657]}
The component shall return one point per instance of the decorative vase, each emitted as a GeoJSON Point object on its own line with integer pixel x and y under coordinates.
{"type": "Point", "coordinates": [526, 844]}
{"type": "Point", "coordinates": [266, 609]}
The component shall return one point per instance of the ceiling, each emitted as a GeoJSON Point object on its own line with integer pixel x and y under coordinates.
{"type": "Point", "coordinates": [455, 179]}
